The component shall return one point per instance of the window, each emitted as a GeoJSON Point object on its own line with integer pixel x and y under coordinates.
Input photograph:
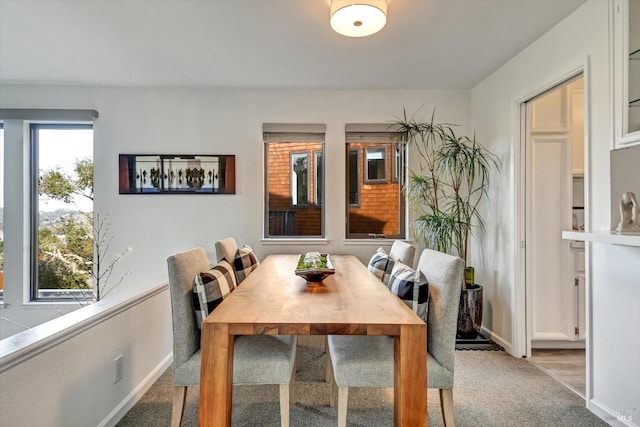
{"type": "Point", "coordinates": [294, 180]}
{"type": "Point", "coordinates": [299, 174]}
{"type": "Point", "coordinates": [1, 212]}
{"type": "Point", "coordinates": [376, 170]}
{"type": "Point", "coordinates": [376, 205]}
{"type": "Point", "coordinates": [61, 211]}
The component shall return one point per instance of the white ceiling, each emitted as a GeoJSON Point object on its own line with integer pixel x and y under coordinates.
{"type": "Point", "coordinates": [426, 44]}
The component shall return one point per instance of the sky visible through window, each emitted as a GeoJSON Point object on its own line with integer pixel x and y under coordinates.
{"type": "Point", "coordinates": [60, 149]}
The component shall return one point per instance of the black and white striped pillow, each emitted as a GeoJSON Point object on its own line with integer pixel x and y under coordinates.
{"type": "Point", "coordinates": [381, 265]}
{"type": "Point", "coordinates": [210, 288]}
{"type": "Point", "coordinates": [245, 262]}
{"type": "Point", "coordinates": [411, 287]}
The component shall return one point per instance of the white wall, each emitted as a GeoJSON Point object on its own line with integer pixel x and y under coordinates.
{"type": "Point", "coordinates": [182, 121]}
{"type": "Point", "coordinates": [580, 40]}
{"type": "Point", "coordinates": [68, 381]}
{"type": "Point", "coordinates": [212, 121]}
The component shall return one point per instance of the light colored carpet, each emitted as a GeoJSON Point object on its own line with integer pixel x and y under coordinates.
{"type": "Point", "coordinates": [492, 388]}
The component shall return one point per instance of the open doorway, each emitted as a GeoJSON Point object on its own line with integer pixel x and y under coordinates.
{"type": "Point", "coordinates": [554, 202]}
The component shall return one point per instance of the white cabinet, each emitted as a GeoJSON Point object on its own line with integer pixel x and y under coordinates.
{"type": "Point", "coordinates": [626, 67]}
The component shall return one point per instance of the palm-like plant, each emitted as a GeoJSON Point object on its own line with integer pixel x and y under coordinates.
{"type": "Point", "coordinates": [451, 181]}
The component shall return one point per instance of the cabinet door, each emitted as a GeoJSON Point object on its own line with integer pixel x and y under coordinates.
{"type": "Point", "coordinates": [627, 75]}
{"type": "Point", "coordinates": [550, 278]}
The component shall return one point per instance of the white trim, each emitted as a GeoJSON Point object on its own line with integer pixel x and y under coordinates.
{"type": "Point", "coordinates": [519, 300]}
{"type": "Point", "coordinates": [610, 416]}
{"type": "Point", "coordinates": [23, 346]}
{"type": "Point", "coordinates": [136, 394]}
{"type": "Point", "coordinates": [508, 347]}
{"type": "Point", "coordinates": [521, 325]}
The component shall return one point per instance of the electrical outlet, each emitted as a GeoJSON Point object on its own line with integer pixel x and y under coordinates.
{"type": "Point", "coordinates": [117, 368]}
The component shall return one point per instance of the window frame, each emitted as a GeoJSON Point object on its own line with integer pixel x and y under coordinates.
{"type": "Point", "coordinates": [396, 164]}
{"type": "Point", "coordinates": [276, 135]}
{"type": "Point", "coordinates": [35, 294]}
{"type": "Point", "coordinates": [357, 177]}
{"type": "Point", "coordinates": [367, 179]}
{"type": "Point", "coordinates": [390, 140]}
{"type": "Point", "coordinates": [318, 177]}
{"type": "Point", "coordinates": [3, 210]}
{"type": "Point", "coordinates": [291, 180]}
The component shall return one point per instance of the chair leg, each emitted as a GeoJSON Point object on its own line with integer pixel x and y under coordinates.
{"type": "Point", "coordinates": [332, 384]}
{"type": "Point", "coordinates": [179, 397]}
{"type": "Point", "coordinates": [343, 395]}
{"type": "Point", "coordinates": [327, 360]}
{"type": "Point", "coordinates": [446, 403]}
{"type": "Point", "coordinates": [284, 405]}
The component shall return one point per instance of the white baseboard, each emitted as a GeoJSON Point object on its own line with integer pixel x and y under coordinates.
{"type": "Point", "coordinates": [611, 416]}
{"type": "Point", "coordinates": [497, 339]}
{"type": "Point", "coordinates": [132, 398]}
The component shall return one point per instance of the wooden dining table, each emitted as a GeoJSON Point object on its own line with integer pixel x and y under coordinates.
{"type": "Point", "coordinates": [273, 300]}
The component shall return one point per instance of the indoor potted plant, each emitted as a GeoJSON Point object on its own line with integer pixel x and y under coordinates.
{"type": "Point", "coordinates": [451, 180]}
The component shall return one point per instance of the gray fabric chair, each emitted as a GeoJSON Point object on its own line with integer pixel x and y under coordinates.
{"type": "Point", "coordinates": [367, 361]}
{"type": "Point", "coordinates": [400, 251]}
{"type": "Point", "coordinates": [226, 249]}
{"type": "Point", "coordinates": [403, 252]}
{"type": "Point", "coordinates": [257, 359]}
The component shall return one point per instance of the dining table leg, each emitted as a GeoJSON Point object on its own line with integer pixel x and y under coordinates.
{"type": "Point", "coordinates": [410, 383]}
{"type": "Point", "coordinates": [216, 376]}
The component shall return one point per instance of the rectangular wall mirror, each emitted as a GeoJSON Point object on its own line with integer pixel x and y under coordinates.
{"type": "Point", "coordinates": [177, 174]}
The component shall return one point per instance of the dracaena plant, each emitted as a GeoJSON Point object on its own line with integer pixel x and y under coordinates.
{"type": "Point", "coordinates": [451, 180]}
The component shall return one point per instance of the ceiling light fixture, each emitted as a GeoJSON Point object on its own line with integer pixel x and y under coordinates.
{"type": "Point", "coordinates": [358, 18]}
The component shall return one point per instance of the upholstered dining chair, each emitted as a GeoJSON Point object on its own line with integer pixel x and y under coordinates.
{"type": "Point", "coordinates": [403, 252]}
{"type": "Point", "coordinates": [367, 361]}
{"type": "Point", "coordinates": [257, 359]}
{"type": "Point", "coordinates": [400, 251]}
{"type": "Point", "coordinates": [226, 249]}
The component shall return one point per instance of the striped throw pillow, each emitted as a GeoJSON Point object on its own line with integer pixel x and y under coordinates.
{"type": "Point", "coordinates": [411, 287]}
{"type": "Point", "coordinates": [245, 262]}
{"type": "Point", "coordinates": [210, 288]}
{"type": "Point", "coordinates": [381, 265]}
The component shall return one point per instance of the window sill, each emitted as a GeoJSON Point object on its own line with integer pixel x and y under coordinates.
{"type": "Point", "coordinates": [369, 242]}
{"type": "Point", "coordinates": [294, 241]}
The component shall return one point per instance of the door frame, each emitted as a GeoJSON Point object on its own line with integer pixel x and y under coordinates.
{"type": "Point", "coordinates": [522, 328]}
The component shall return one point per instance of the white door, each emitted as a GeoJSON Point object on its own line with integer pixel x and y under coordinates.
{"type": "Point", "coordinates": [552, 296]}
{"type": "Point", "coordinates": [555, 147]}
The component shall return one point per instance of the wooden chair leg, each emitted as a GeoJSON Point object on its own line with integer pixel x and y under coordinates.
{"type": "Point", "coordinates": [179, 397]}
{"type": "Point", "coordinates": [332, 384]}
{"type": "Point", "coordinates": [446, 403]}
{"type": "Point", "coordinates": [343, 395]}
{"type": "Point", "coordinates": [284, 405]}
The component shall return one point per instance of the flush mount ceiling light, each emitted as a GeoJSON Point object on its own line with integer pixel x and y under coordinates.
{"type": "Point", "coordinates": [358, 18]}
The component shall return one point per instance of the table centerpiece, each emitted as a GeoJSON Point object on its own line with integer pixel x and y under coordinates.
{"type": "Point", "coordinates": [314, 267]}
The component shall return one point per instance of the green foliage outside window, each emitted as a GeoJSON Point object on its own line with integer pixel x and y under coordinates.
{"type": "Point", "coordinates": [66, 254]}
{"type": "Point", "coordinates": [65, 257]}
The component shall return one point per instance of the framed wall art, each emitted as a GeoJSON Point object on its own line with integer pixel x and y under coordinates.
{"type": "Point", "coordinates": [177, 174]}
